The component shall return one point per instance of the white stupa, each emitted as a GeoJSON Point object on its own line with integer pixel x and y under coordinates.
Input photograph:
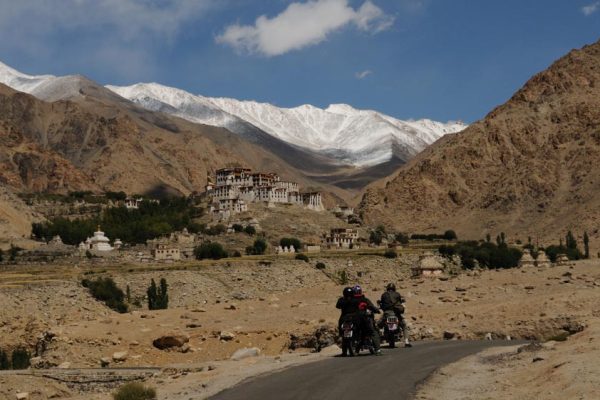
{"type": "Point", "coordinates": [98, 242]}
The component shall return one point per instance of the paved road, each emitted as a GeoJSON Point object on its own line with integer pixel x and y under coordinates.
{"type": "Point", "coordinates": [391, 376]}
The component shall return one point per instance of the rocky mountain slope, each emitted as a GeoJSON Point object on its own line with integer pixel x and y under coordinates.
{"type": "Point", "coordinates": [98, 140]}
{"type": "Point", "coordinates": [529, 168]}
{"type": "Point", "coordinates": [360, 138]}
{"type": "Point", "coordinates": [339, 146]}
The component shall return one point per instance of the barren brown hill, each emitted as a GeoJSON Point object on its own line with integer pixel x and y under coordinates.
{"type": "Point", "coordinates": [96, 140]}
{"type": "Point", "coordinates": [529, 168]}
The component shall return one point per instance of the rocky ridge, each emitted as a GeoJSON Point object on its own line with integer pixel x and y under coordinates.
{"type": "Point", "coordinates": [527, 168]}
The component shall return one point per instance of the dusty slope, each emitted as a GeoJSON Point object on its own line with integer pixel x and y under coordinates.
{"type": "Point", "coordinates": [97, 140]}
{"type": "Point", "coordinates": [550, 371]}
{"type": "Point", "coordinates": [15, 219]}
{"type": "Point", "coordinates": [529, 168]}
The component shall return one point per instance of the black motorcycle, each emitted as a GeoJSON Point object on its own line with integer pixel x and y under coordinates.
{"type": "Point", "coordinates": [391, 328]}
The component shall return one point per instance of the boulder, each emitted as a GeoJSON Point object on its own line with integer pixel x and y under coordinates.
{"type": "Point", "coordinates": [170, 341]}
{"type": "Point", "coordinates": [245, 353]}
{"type": "Point", "coordinates": [225, 335]}
{"type": "Point", "coordinates": [64, 365]}
{"type": "Point", "coordinates": [105, 362]}
{"type": "Point", "coordinates": [324, 336]}
{"type": "Point", "coordinates": [449, 335]}
{"type": "Point", "coordinates": [22, 396]}
{"type": "Point", "coordinates": [120, 356]}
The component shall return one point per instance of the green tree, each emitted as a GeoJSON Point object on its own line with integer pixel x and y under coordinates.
{"type": "Point", "coordinates": [570, 241]}
{"type": "Point", "coordinates": [20, 358]}
{"type": "Point", "coordinates": [287, 242]}
{"type": "Point", "coordinates": [152, 294]}
{"type": "Point", "coordinates": [237, 227]}
{"type": "Point", "coordinates": [586, 245]}
{"type": "Point", "coordinates": [488, 238]}
{"type": "Point", "coordinates": [4, 362]}
{"type": "Point", "coordinates": [128, 294]}
{"type": "Point", "coordinates": [163, 295]}
{"type": "Point", "coordinates": [211, 250]}
{"type": "Point", "coordinates": [259, 247]}
{"type": "Point", "coordinates": [376, 236]}
{"type": "Point", "coordinates": [250, 230]}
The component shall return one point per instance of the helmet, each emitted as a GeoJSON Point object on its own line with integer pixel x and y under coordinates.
{"type": "Point", "coordinates": [390, 286]}
{"type": "Point", "coordinates": [347, 292]}
{"type": "Point", "coordinates": [357, 290]}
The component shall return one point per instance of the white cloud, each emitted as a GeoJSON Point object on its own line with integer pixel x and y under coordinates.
{"type": "Point", "coordinates": [112, 35]}
{"type": "Point", "coordinates": [363, 74]}
{"type": "Point", "coordinates": [130, 18]}
{"type": "Point", "coordinates": [590, 8]}
{"type": "Point", "coordinates": [303, 24]}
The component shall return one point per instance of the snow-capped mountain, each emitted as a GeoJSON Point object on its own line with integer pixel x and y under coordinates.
{"type": "Point", "coordinates": [340, 132]}
{"type": "Point", "coordinates": [357, 137]}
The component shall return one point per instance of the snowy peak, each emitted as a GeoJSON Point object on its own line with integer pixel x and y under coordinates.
{"type": "Point", "coordinates": [351, 136]}
{"type": "Point", "coordinates": [20, 81]}
{"type": "Point", "coordinates": [340, 133]}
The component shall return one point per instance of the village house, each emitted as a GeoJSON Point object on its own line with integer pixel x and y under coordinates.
{"type": "Point", "coordinates": [341, 238]}
{"type": "Point", "coordinates": [166, 252]}
{"type": "Point", "coordinates": [236, 187]}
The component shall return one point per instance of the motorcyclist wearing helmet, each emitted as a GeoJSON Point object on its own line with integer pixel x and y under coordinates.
{"type": "Point", "coordinates": [349, 311]}
{"type": "Point", "coordinates": [392, 300]}
{"type": "Point", "coordinates": [367, 322]}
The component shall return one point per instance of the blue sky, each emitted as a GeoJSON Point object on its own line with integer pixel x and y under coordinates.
{"type": "Point", "coordinates": [439, 59]}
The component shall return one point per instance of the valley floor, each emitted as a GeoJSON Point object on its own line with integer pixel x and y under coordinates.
{"type": "Point", "coordinates": [263, 304]}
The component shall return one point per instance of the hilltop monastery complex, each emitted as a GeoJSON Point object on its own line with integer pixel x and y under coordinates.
{"type": "Point", "coordinates": [236, 187]}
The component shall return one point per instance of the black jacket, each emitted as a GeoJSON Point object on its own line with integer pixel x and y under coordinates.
{"type": "Point", "coordinates": [390, 300]}
{"type": "Point", "coordinates": [348, 305]}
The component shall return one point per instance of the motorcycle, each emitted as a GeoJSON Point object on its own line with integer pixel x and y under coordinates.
{"type": "Point", "coordinates": [354, 340]}
{"type": "Point", "coordinates": [391, 328]}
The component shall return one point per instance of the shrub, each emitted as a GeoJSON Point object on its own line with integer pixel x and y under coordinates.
{"type": "Point", "coordinates": [320, 265]}
{"type": "Point", "coordinates": [390, 254]}
{"type": "Point", "coordinates": [450, 235]}
{"type": "Point", "coordinates": [376, 235]}
{"type": "Point", "coordinates": [402, 238]}
{"type": "Point", "coordinates": [287, 242]}
{"type": "Point", "coordinates": [343, 277]}
{"type": "Point", "coordinates": [259, 247]}
{"type": "Point", "coordinates": [116, 196]}
{"type": "Point", "coordinates": [158, 298]}
{"type": "Point", "coordinates": [1, 255]}
{"type": "Point", "coordinates": [134, 391]}
{"type": "Point", "coordinates": [211, 250]}
{"type": "Point", "coordinates": [107, 291]}
{"type": "Point", "coordinates": [20, 358]}
{"type": "Point", "coordinates": [4, 362]}
{"type": "Point", "coordinates": [218, 229]}
{"type": "Point", "coordinates": [572, 253]}
{"type": "Point", "coordinates": [238, 227]}
{"type": "Point", "coordinates": [250, 230]}
{"type": "Point", "coordinates": [236, 254]}
{"type": "Point", "coordinates": [302, 257]}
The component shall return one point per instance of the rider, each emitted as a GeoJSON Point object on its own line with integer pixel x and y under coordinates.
{"type": "Point", "coordinates": [349, 309]}
{"type": "Point", "coordinates": [392, 300]}
{"type": "Point", "coordinates": [367, 322]}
